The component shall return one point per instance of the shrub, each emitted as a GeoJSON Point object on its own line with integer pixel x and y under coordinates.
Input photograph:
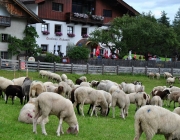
{"type": "Point", "coordinates": [78, 53]}
{"type": "Point", "coordinates": [52, 58]}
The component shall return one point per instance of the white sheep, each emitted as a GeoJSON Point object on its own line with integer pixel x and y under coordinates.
{"type": "Point", "coordinates": [43, 73]}
{"type": "Point", "coordinates": [132, 97]}
{"type": "Point", "coordinates": [89, 95]}
{"type": "Point", "coordinates": [177, 110]}
{"type": "Point", "coordinates": [18, 81]}
{"type": "Point", "coordinates": [130, 87]}
{"type": "Point", "coordinates": [156, 100]}
{"type": "Point", "coordinates": [153, 120]}
{"type": "Point", "coordinates": [36, 88]}
{"type": "Point", "coordinates": [106, 85]}
{"type": "Point", "coordinates": [65, 89]}
{"type": "Point", "coordinates": [70, 83]}
{"type": "Point", "coordinates": [83, 78]}
{"type": "Point", "coordinates": [120, 99]}
{"type": "Point", "coordinates": [167, 75]}
{"type": "Point", "coordinates": [4, 83]}
{"type": "Point", "coordinates": [141, 99]}
{"type": "Point", "coordinates": [157, 75]}
{"type": "Point", "coordinates": [170, 80]}
{"type": "Point", "coordinates": [27, 112]}
{"type": "Point", "coordinates": [151, 75]}
{"type": "Point", "coordinates": [49, 103]}
{"type": "Point", "coordinates": [46, 84]}
{"type": "Point", "coordinates": [87, 84]}
{"type": "Point", "coordinates": [64, 77]}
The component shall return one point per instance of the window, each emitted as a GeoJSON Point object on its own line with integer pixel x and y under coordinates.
{"type": "Point", "coordinates": [57, 7]}
{"type": "Point", "coordinates": [4, 37]}
{"type": "Point", "coordinates": [107, 13]}
{"type": "Point", "coordinates": [44, 48]}
{"type": "Point", "coordinates": [44, 27]}
{"type": "Point", "coordinates": [4, 55]}
{"type": "Point", "coordinates": [84, 31]}
{"type": "Point", "coordinates": [69, 29]}
{"type": "Point", "coordinates": [57, 28]}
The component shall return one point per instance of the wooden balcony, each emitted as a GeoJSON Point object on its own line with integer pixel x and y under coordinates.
{"type": "Point", "coordinates": [5, 21]}
{"type": "Point", "coordinates": [71, 18]}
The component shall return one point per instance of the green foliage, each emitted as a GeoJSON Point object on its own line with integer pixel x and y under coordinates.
{"type": "Point", "coordinates": [164, 19]}
{"type": "Point", "coordinates": [78, 53]}
{"type": "Point", "coordinates": [52, 58]}
{"type": "Point", "coordinates": [27, 44]}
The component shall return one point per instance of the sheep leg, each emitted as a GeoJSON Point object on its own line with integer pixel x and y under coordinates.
{"type": "Point", "coordinates": [43, 126]}
{"type": "Point", "coordinates": [60, 129]}
{"type": "Point", "coordinates": [6, 99]}
{"type": "Point", "coordinates": [81, 108]}
{"type": "Point", "coordinates": [93, 110]}
{"type": "Point", "coordinates": [35, 123]}
{"type": "Point", "coordinates": [122, 113]}
{"type": "Point", "coordinates": [89, 108]}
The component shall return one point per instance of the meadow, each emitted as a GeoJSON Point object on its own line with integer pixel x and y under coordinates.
{"type": "Point", "coordinates": [91, 128]}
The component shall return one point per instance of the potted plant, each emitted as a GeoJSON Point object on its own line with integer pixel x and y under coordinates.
{"type": "Point", "coordinates": [85, 35]}
{"type": "Point", "coordinates": [45, 32]}
{"type": "Point", "coordinates": [58, 33]}
{"type": "Point", "coordinates": [71, 34]}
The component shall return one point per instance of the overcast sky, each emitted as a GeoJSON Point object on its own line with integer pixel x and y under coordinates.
{"type": "Point", "coordinates": [156, 6]}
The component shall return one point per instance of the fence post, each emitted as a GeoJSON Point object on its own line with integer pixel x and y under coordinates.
{"type": "Point", "coordinates": [0, 62]}
{"type": "Point", "coordinates": [102, 69]}
{"type": "Point", "coordinates": [145, 70]}
{"type": "Point", "coordinates": [132, 70]}
{"type": "Point", "coordinates": [87, 70]}
{"type": "Point", "coordinates": [19, 64]}
{"type": "Point", "coordinates": [117, 69]}
{"type": "Point", "coordinates": [172, 70]}
{"type": "Point", "coordinates": [71, 68]}
{"type": "Point", "coordinates": [38, 65]}
{"type": "Point", "coordinates": [159, 70]}
{"type": "Point", "coordinates": [54, 67]}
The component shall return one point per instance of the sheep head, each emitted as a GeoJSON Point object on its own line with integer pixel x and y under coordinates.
{"type": "Point", "coordinates": [73, 130]}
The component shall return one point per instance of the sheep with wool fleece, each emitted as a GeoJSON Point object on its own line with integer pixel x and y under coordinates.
{"type": "Point", "coordinates": [167, 75]}
{"type": "Point", "coordinates": [170, 80]}
{"type": "Point", "coordinates": [121, 99]}
{"type": "Point", "coordinates": [27, 112]}
{"type": "Point", "coordinates": [132, 97]}
{"type": "Point", "coordinates": [18, 81]}
{"type": "Point", "coordinates": [89, 95]}
{"type": "Point", "coordinates": [65, 89]}
{"type": "Point", "coordinates": [48, 84]}
{"type": "Point", "coordinates": [156, 100]}
{"type": "Point", "coordinates": [49, 103]}
{"type": "Point", "coordinates": [4, 83]}
{"type": "Point", "coordinates": [141, 99]}
{"type": "Point", "coordinates": [177, 110]}
{"type": "Point", "coordinates": [43, 73]}
{"type": "Point", "coordinates": [87, 84]}
{"type": "Point", "coordinates": [54, 89]}
{"type": "Point", "coordinates": [157, 75]}
{"type": "Point", "coordinates": [70, 83]}
{"type": "Point", "coordinates": [36, 88]}
{"type": "Point", "coordinates": [153, 120]}
{"type": "Point", "coordinates": [151, 75]}
{"type": "Point", "coordinates": [26, 88]}
{"type": "Point", "coordinates": [172, 89]}
{"type": "Point", "coordinates": [173, 96]}
{"type": "Point", "coordinates": [106, 85]}
{"type": "Point", "coordinates": [64, 77]}
{"type": "Point", "coordinates": [83, 78]}
{"type": "Point", "coordinates": [130, 88]}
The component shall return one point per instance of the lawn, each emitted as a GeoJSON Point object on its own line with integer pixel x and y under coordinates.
{"type": "Point", "coordinates": [92, 128]}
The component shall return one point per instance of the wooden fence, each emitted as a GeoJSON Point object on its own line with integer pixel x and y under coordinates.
{"type": "Point", "coordinates": [81, 68]}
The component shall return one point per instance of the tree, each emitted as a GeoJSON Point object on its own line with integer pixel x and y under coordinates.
{"type": "Point", "coordinates": [27, 44]}
{"type": "Point", "coordinates": [164, 19]}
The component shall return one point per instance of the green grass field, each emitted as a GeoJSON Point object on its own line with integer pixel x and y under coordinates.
{"type": "Point", "coordinates": [91, 128]}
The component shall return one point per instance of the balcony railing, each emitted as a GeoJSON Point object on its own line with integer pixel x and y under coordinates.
{"type": "Point", "coordinates": [5, 21]}
{"type": "Point", "coordinates": [70, 17]}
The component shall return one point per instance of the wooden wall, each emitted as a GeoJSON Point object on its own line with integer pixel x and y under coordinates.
{"type": "Point", "coordinates": [45, 10]}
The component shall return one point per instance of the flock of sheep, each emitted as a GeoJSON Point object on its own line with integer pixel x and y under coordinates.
{"type": "Point", "coordinates": [60, 96]}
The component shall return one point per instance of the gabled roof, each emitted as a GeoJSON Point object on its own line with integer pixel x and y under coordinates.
{"type": "Point", "coordinates": [34, 17]}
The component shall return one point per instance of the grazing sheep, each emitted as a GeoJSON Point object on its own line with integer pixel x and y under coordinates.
{"type": "Point", "coordinates": [156, 100]}
{"type": "Point", "coordinates": [170, 80]}
{"type": "Point", "coordinates": [64, 77]}
{"type": "Point", "coordinates": [120, 99]}
{"type": "Point", "coordinates": [167, 75]}
{"type": "Point", "coordinates": [153, 120]}
{"type": "Point", "coordinates": [83, 78]}
{"type": "Point", "coordinates": [26, 88]}
{"type": "Point", "coordinates": [48, 84]}
{"type": "Point", "coordinates": [94, 83]}
{"type": "Point", "coordinates": [87, 84]}
{"type": "Point", "coordinates": [49, 103]}
{"type": "Point", "coordinates": [18, 81]}
{"type": "Point", "coordinates": [130, 88]}
{"type": "Point", "coordinates": [141, 99]}
{"type": "Point", "coordinates": [88, 95]}
{"type": "Point", "coordinates": [132, 97]}
{"type": "Point", "coordinates": [65, 89]}
{"type": "Point", "coordinates": [173, 96]}
{"type": "Point", "coordinates": [70, 83]}
{"type": "Point", "coordinates": [54, 89]}
{"type": "Point", "coordinates": [14, 90]}
{"type": "Point", "coordinates": [106, 85]}
{"type": "Point", "coordinates": [55, 77]}
{"type": "Point", "coordinates": [151, 75]}
{"type": "Point", "coordinates": [157, 75]}
{"type": "Point", "coordinates": [43, 73]}
{"type": "Point", "coordinates": [4, 83]}
{"type": "Point", "coordinates": [27, 112]}
{"type": "Point", "coordinates": [137, 83]}
{"type": "Point", "coordinates": [36, 88]}
{"type": "Point", "coordinates": [177, 110]}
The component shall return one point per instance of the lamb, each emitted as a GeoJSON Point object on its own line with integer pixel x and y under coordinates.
{"type": "Point", "coordinates": [49, 103]}
{"type": "Point", "coordinates": [177, 110]}
{"type": "Point", "coordinates": [36, 88]}
{"type": "Point", "coordinates": [170, 80]}
{"type": "Point", "coordinates": [167, 75]}
{"type": "Point", "coordinates": [64, 77]}
{"type": "Point", "coordinates": [156, 100]}
{"type": "Point", "coordinates": [120, 99]}
{"type": "Point", "coordinates": [27, 112]}
{"type": "Point", "coordinates": [14, 90]}
{"type": "Point", "coordinates": [65, 89]}
{"type": "Point", "coordinates": [153, 120]}
{"type": "Point", "coordinates": [25, 88]}
{"type": "Point", "coordinates": [151, 75]}
{"type": "Point", "coordinates": [141, 99]}
{"type": "Point", "coordinates": [88, 95]}
{"type": "Point", "coordinates": [18, 81]}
